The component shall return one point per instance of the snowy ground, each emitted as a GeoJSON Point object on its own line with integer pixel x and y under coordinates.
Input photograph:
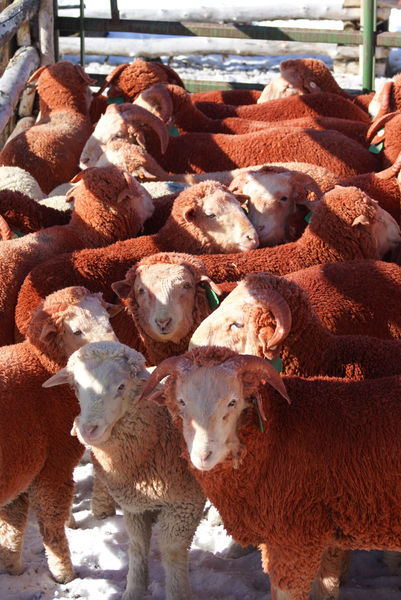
{"type": "Point", "coordinates": [99, 548]}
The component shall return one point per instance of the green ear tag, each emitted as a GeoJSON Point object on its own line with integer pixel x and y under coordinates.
{"type": "Point", "coordinates": [276, 363]}
{"type": "Point", "coordinates": [211, 296]}
{"type": "Point", "coordinates": [259, 417]}
{"type": "Point", "coordinates": [308, 217]}
{"type": "Point", "coordinates": [376, 148]}
{"type": "Point", "coordinates": [173, 131]}
{"type": "Point", "coordinates": [116, 100]}
{"type": "Point", "coordinates": [17, 234]}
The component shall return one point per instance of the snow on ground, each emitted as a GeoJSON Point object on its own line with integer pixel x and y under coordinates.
{"type": "Point", "coordinates": [99, 548]}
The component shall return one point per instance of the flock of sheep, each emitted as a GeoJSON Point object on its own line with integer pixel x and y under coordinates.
{"type": "Point", "coordinates": [214, 280]}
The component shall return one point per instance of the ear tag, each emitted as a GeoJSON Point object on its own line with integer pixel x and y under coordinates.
{"type": "Point", "coordinates": [308, 216]}
{"type": "Point", "coordinates": [376, 148]}
{"type": "Point", "coordinates": [255, 401]}
{"type": "Point", "coordinates": [211, 296]}
{"type": "Point", "coordinates": [116, 100]}
{"type": "Point", "coordinates": [16, 234]}
{"type": "Point", "coordinates": [276, 363]}
{"type": "Point", "coordinates": [173, 131]}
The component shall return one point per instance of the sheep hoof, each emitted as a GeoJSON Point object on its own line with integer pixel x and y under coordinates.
{"type": "Point", "coordinates": [235, 550]}
{"type": "Point", "coordinates": [99, 513]}
{"type": "Point", "coordinates": [13, 568]}
{"type": "Point", "coordinates": [65, 576]}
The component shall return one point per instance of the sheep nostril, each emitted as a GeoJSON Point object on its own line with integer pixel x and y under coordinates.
{"type": "Point", "coordinates": [162, 324]}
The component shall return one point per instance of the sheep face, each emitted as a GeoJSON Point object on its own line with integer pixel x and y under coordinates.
{"type": "Point", "coordinates": [86, 322]}
{"type": "Point", "coordinates": [272, 198]}
{"type": "Point", "coordinates": [165, 298]}
{"type": "Point", "coordinates": [209, 402]}
{"type": "Point", "coordinates": [106, 377]}
{"type": "Point", "coordinates": [385, 232]}
{"type": "Point", "coordinates": [220, 217]}
{"type": "Point", "coordinates": [109, 127]}
{"type": "Point", "coordinates": [234, 324]}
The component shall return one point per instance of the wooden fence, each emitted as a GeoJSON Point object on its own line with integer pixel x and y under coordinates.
{"type": "Point", "coordinates": [27, 40]}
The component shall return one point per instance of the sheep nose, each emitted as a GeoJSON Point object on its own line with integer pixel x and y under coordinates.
{"type": "Point", "coordinates": [252, 237]}
{"type": "Point", "coordinates": [163, 323]}
{"type": "Point", "coordinates": [88, 431]}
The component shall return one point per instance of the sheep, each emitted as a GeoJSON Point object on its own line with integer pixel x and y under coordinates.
{"type": "Point", "coordinates": [26, 215]}
{"type": "Point", "coordinates": [166, 296]}
{"type": "Point", "coordinates": [38, 454]}
{"type": "Point", "coordinates": [173, 104]}
{"type": "Point", "coordinates": [303, 498]}
{"type": "Point", "coordinates": [109, 205]}
{"type": "Point", "coordinates": [355, 297]}
{"type": "Point", "coordinates": [19, 180]}
{"type": "Point", "coordinates": [136, 453]}
{"type": "Point", "coordinates": [346, 225]}
{"type": "Point", "coordinates": [202, 152]}
{"type": "Point", "coordinates": [324, 104]}
{"type": "Point", "coordinates": [308, 76]}
{"type": "Point", "coordinates": [203, 217]}
{"type": "Point", "coordinates": [50, 149]}
{"type": "Point", "coordinates": [384, 134]}
{"type": "Point", "coordinates": [271, 317]}
{"type": "Point", "coordinates": [275, 193]}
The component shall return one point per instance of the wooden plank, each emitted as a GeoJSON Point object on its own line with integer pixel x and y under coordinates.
{"type": "Point", "coordinates": [14, 16]}
{"type": "Point", "coordinates": [21, 66]}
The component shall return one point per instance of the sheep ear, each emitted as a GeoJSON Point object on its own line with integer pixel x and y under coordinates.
{"type": "Point", "coordinates": [77, 177]}
{"type": "Point", "coordinates": [113, 309]}
{"type": "Point", "coordinates": [157, 396]}
{"type": "Point", "coordinates": [243, 199]}
{"type": "Point", "coordinates": [189, 214]}
{"type": "Point", "coordinates": [36, 74]}
{"type": "Point", "coordinates": [60, 378]}
{"type": "Point", "coordinates": [48, 333]}
{"type": "Point", "coordinates": [121, 288]}
{"type": "Point", "coordinates": [213, 286]}
{"type": "Point", "coordinates": [264, 338]}
{"type": "Point", "coordinates": [361, 220]}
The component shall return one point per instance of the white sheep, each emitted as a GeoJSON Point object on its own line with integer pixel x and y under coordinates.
{"type": "Point", "coordinates": [17, 179]}
{"type": "Point", "coordinates": [137, 454]}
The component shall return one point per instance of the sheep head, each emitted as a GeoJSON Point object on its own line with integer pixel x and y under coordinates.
{"type": "Point", "coordinates": [129, 80]}
{"type": "Point", "coordinates": [208, 389]}
{"type": "Point", "coordinates": [301, 76]}
{"type": "Point", "coordinates": [106, 376]}
{"type": "Point", "coordinates": [122, 121]}
{"type": "Point", "coordinates": [165, 294]}
{"type": "Point", "coordinates": [349, 212]}
{"type": "Point", "coordinates": [62, 85]}
{"type": "Point", "coordinates": [115, 190]}
{"type": "Point", "coordinates": [255, 318]}
{"type": "Point", "coordinates": [274, 193]}
{"type": "Point", "coordinates": [213, 217]}
{"type": "Point", "coordinates": [69, 318]}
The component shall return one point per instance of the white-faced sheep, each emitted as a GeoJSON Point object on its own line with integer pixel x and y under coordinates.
{"type": "Point", "coordinates": [303, 498]}
{"type": "Point", "coordinates": [205, 152]}
{"type": "Point", "coordinates": [50, 149]}
{"type": "Point", "coordinates": [109, 205]}
{"type": "Point", "coordinates": [37, 452]}
{"type": "Point", "coordinates": [136, 453]}
{"type": "Point", "coordinates": [271, 317]}
{"type": "Point", "coordinates": [166, 295]}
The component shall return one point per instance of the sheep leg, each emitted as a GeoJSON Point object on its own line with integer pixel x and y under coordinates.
{"type": "Point", "coordinates": [139, 529]}
{"type": "Point", "coordinates": [291, 570]}
{"type": "Point", "coordinates": [177, 526]}
{"type": "Point", "coordinates": [51, 500]}
{"type": "Point", "coordinates": [102, 504]}
{"type": "Point", "coordinates": [13, 518]}
{"type": "Point", "coordinates": [333, 569]}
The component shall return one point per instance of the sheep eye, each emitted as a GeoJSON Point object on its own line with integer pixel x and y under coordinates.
{"type": "Point", "coordinates": [181, 402]}
{"type": "Point", "coordinates": [236, 325]}
{"type": "Point", "coordinates": [187, 286]}
{"type": "Point", "coordinates": [284, 199]}
{"type": "Point", "coordinates": [141, 291]}
{"type": "Point", "coordinates": [232, 403]}
{"type": "Point", "coordinates": [77, 332]}
{"type": "Point", "coordinates": [121, 387]}
{"type": "Point", "coordinates": [211, 215]}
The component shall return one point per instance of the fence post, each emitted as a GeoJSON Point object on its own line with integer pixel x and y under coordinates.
{"type": "Point", "coordinates": [369, 45]}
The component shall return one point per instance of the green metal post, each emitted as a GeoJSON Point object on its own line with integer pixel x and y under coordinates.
{"type": "Point", "coordinates": [82, 32]}
{"type": "Point", "coordinates": [369, 45]}
{"type": "Point", "coordinates": [56, 31]}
